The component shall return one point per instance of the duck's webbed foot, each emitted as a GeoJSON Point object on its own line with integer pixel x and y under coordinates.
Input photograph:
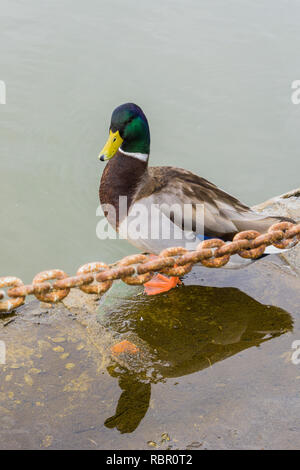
{"type": "Point", "coordinates": [160, 283]}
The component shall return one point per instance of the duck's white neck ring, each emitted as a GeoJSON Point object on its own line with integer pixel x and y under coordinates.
{"type": "Point", "coordinates": [140, 156]}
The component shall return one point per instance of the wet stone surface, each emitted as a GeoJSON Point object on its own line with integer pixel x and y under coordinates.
{"type": "Point", "coordinates": [214, 368]}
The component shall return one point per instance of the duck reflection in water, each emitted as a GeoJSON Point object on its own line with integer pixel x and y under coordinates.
{"type": "Point", "coordinates": [181, 333]}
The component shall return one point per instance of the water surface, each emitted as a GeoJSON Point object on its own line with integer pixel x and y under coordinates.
{"type": "Point", "coordinates": [213, 77]}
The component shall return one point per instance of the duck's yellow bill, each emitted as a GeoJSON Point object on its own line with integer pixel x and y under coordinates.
{"type": "Point", "coordinates": [112, 145]}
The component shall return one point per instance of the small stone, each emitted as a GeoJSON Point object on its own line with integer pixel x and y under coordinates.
{"type": "Point", "coordinates": [47, 441]}
{"type": "Point", "coordinates": [58, 339]}
{"type": "Point", "coordinates": [194, 445]}
{"type": "Point", "coordinates": [64, 356]}
{"type": "Point", "coordinates": [28, 379]}
{"type": "Point", "coordinates": [152, 444]}
{"type": "Point", "coordinates": [35, 371]}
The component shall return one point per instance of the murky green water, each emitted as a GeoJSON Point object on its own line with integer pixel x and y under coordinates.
{"type": "Point", "coordinates": [186, 332]}
{"type": "Point", "coordinates": [213, 77]}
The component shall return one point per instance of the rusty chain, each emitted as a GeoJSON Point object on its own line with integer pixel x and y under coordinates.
{"type": "Point", "coordinates": [97, 278]}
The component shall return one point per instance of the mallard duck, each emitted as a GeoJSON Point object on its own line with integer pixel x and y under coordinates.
{"type": "Point", "coordinates": [134, 195]}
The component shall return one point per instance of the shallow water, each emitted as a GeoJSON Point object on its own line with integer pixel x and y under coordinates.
{"type": "Point", "coordinates": [214, 79]}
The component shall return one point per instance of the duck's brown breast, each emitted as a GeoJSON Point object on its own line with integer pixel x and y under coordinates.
{"type": "Point", "coordinates": [121, 177]}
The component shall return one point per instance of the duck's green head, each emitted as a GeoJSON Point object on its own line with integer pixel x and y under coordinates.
{"type": "Point", "coordinates": [129, 131]}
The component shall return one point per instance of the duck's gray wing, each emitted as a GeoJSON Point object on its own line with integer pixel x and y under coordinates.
{"type": "Point", "coordinates": [221, 214]}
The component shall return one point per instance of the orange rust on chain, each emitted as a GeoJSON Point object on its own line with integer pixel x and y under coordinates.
{"type": "Point", "coordinates": [30, 289]}
{"type": "Point", "coordinates": [11, 304]}
{"type": "Point", "coordinates": [232, 248]}
{"type": "Point", "coordinates": [194, 257]}
{"type": "Point", "coordinates": [285, 227]}
{"type": "Point", "coordinates": [56, 294]}
{"type": "Point", "coordinates": [266, 239]}
{"type": "Point", "coordinates": [137, 269]}
{"type": "Point", "coordinates": [115, 273]}
{"type": "Point", "coordinates": [293, 232]}
{"type": "Point", "coordinates": [254, 252]}
{"type": "Point", "coordinates": [214, 262]}
{"type": "Point", "coordinates": [74, 281]}
{"type": "Point", "coordinates": [156, 265]}
{"type": "Point", "coordinates": [100, 287]}
{"type": "Point", "coordinates": [176, 270]}
{"type": "Point", "coordinates": [137, 279]}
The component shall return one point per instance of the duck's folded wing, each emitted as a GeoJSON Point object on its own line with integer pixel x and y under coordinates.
{"type": "Point", "coordinates": [195, 204]}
